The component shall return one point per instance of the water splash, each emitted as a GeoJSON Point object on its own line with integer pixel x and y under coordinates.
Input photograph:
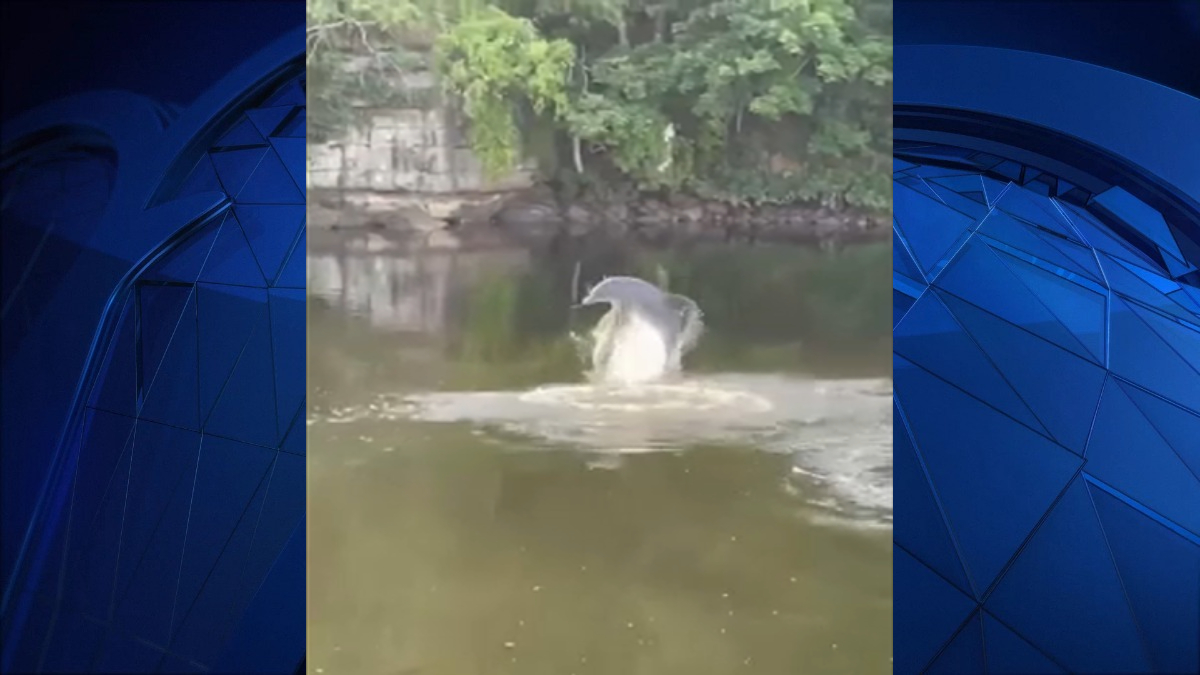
{"type": "Point", "coordinates": [645, 334]}
{"type": "Point", "coordinates": [837, 432]}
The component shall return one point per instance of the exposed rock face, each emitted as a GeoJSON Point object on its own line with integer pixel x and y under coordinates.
{"type": "Point", "coordinates": [414, 158]}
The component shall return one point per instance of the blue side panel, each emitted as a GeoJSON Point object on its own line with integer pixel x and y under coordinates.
{"type": "Point", "coordinates": [163, 529]}
{"type": "Point", "coordinates": [1048, 437]}
{"type": "Point", "coordinates": [1047, 381]}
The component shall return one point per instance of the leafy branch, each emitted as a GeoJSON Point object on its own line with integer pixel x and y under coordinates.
{"type": "Point", "coordinates": [743, 100]}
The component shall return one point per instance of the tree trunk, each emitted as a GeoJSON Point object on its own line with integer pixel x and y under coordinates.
{"type": "Point", "coordinates": [576, 142]}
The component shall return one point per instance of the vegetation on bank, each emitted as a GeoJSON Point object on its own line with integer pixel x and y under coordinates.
{"type": "Point", "coordinates": [758, 101]}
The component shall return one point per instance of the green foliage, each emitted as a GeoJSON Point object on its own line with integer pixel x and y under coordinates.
{"type": "Point", "coordinates": [638, 134]}
{"type": "Point", "coordinates": [495, 62]}
{"type": "Point", "coordinates": [743, 100]}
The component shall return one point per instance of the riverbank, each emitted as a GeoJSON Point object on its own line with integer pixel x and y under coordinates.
{"type": "Point", "coordinates": [539, 214]}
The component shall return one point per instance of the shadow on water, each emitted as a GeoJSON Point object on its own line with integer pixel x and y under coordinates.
{"type": "Point", "coordinates": [474, 508]}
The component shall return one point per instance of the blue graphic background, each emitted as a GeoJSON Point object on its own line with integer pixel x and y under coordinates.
{"type": "Point", "coordinates": [1047, 348]}
{"type": "Point", "coordinates": [153, 340]}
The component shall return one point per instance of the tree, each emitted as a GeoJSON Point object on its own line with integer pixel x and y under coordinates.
{"type": "Point", "coordinates": [741, 100]}
{"type": "Point", "coordinates": [495, 61]}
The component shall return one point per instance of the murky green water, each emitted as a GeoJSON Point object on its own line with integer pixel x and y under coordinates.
{"type": "Point", "coordinates": [475, 508]}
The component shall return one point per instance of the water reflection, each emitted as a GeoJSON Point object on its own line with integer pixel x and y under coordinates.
{"type": "Point", "coordinates": [402, 291]}
{"type": "Point", "coordinates": [474, 508]}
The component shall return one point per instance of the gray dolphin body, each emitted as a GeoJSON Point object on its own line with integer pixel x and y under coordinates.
{"type": "Point", "coordinates": [677, 318]}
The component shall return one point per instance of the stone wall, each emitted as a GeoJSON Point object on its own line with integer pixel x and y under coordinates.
{"type": "Point", "coordinates": [407, 157]}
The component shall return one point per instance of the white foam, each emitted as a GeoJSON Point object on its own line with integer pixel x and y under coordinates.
{"type": "Point", "coordinates": [837, 432]}
{"type": "Point", "coordinates": [640, 354]}
{"type": "Point", "coordinates": [689, 396]}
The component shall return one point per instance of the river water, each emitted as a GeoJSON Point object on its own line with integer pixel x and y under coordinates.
{"type": "Point", "coordinates": [476, 506]}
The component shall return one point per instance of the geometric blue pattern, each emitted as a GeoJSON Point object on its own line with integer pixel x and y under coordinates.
{"type": "Point", "coordinates": [188, 463]}
{"type": "Point", "coordinates": [54, 196]}
{"type": "Point", "coordinates": [1047, 385]}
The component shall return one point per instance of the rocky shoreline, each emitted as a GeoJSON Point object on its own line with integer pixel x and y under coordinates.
{"type": "Point", "coordinates": [538, 215]}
